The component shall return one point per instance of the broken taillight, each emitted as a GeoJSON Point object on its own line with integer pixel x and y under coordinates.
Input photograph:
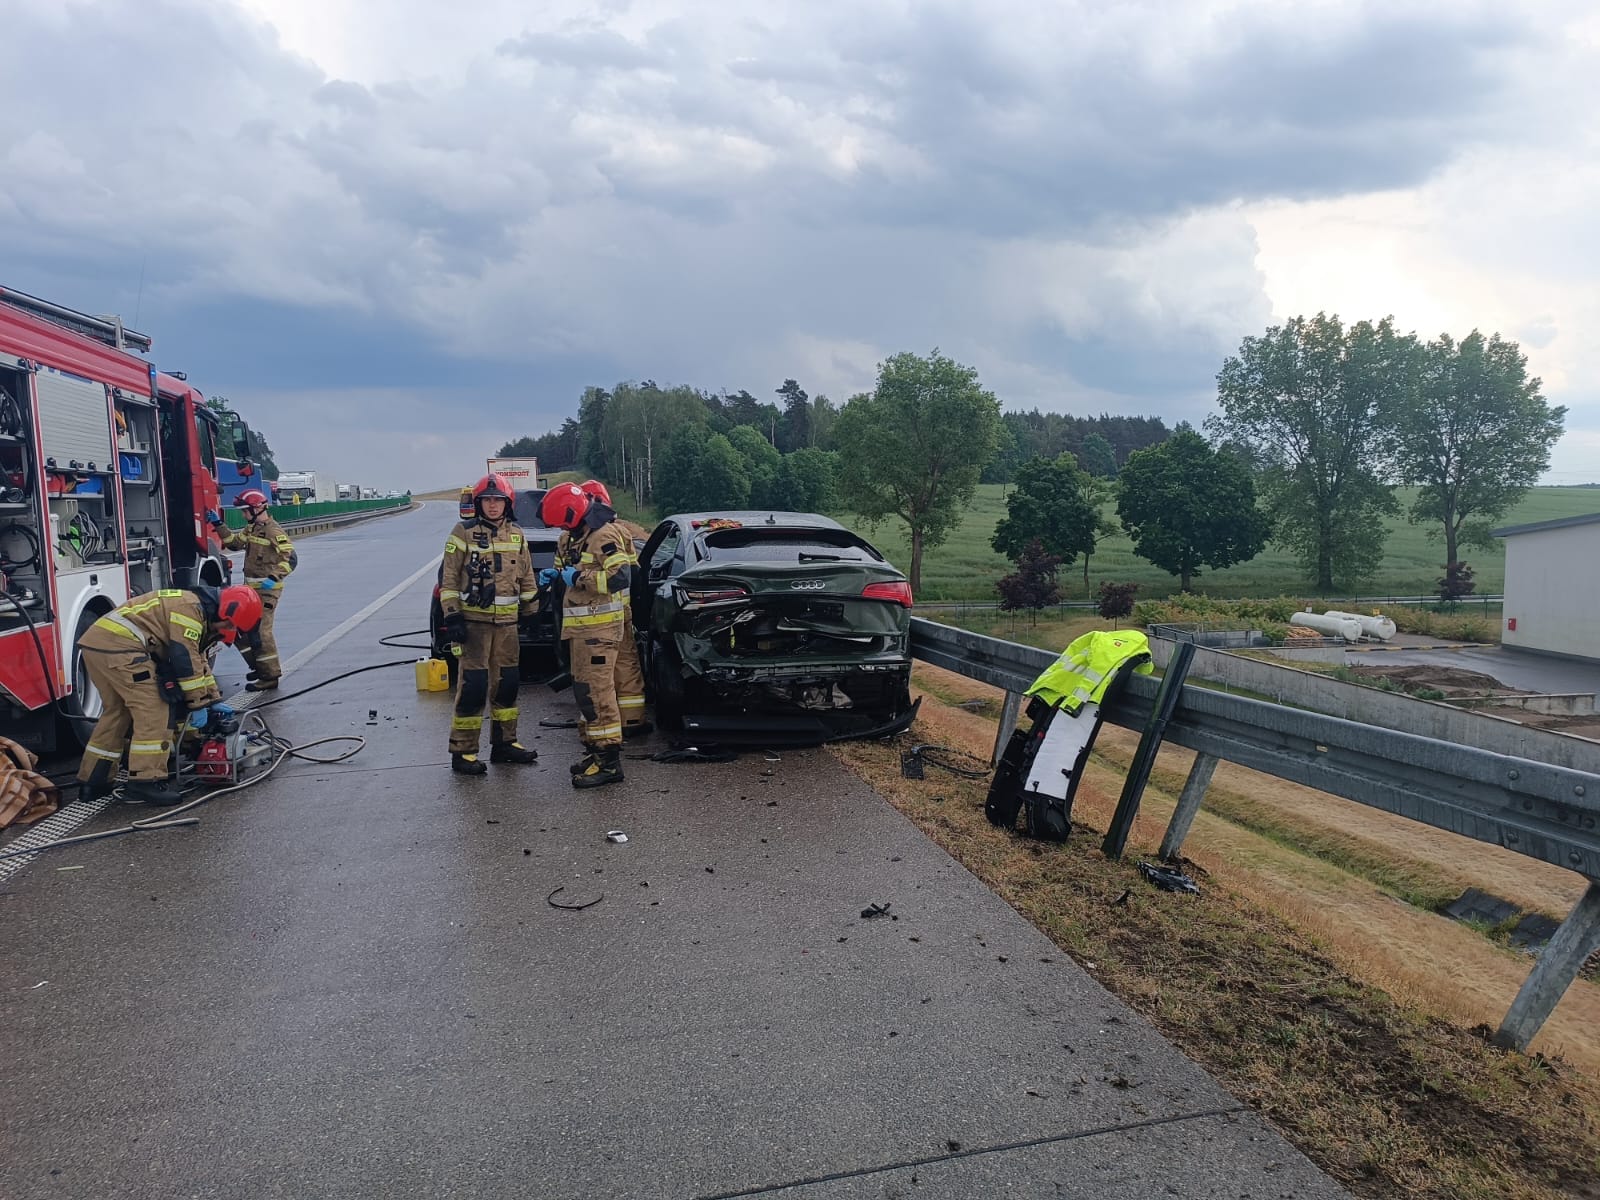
{"type": "Point", "coordinates": [899, 593]}
{"type": "Point", "coordinates": [714, 593]}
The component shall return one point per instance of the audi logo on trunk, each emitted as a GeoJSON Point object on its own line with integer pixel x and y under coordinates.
{"type": "Point", "coordinates": [808, 585]}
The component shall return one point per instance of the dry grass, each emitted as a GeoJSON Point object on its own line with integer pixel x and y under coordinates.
{"type": "Point", "coordinates": [1340, 1013]}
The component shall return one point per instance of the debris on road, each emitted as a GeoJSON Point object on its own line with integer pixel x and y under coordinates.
{"type": "Point", "coordinates": [554, 903]}
{"type": "Point", "coordinates": [877, 910]}
{"type": "Point", "coordinates": [1168, 879]}
{"type": "Point", "coordinates": [695, 754]}
{"type": "Point", "coordinates": [616, 835]}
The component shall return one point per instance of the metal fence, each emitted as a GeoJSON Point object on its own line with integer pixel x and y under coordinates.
{"type": "Point", "coordinates": [1543, 802]}
{"type": "Point", "coordinates": [291, 515]}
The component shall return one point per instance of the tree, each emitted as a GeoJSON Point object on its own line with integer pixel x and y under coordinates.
{"type": "Point", "coordinates": [794, 431]}
{"type": "Point", "coordinates": [1474, 438]}
{"type": "Point", "coordinates": [761, 463]}
{"type": "Point", "coordinates": [1457, 583]}
{"type": "Point", "coordinates": [913, 448]}
{"type": "Point", "coordinates": [1033, 585]}
{"type": "Point", "coordinates": [1097, 457]}
{"type": "Point", "coordinates": [1116, 601]}
{"type": "Point", "coordinates": [1048, 505]}
{"type": "Point", "coordinates": [804, 482]}
{"type": "Point", "coordinates": [1186, 505]}
{"type": "Point", "coordinates": [1308, 399]}
{"type": "Point", "coordinates": [260, 452]}
{"type": "Point", "coordinates": [700, 471]}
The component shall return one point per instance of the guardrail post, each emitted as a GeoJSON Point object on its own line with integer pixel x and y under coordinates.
{"type": "Point", "coordinates": [1558, 966]}
{"type": "Point", "coordinates": [1194, 790]}
{"type": "Point", "coordinates": [1144, 758]}
{"type": "Point", "coordinates": [1009, 712]}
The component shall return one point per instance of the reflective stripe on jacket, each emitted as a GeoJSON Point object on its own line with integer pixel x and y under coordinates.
{"type": "Point", "coordinates": [268, 552]}
{"type": "Point", "coordinates": [598, 595]}
{"type": "Point", "coordinates": [488, 573]}
{"type": "Point", "coordinates": [171, 626]}
{"type": "Point", "coordinates": [1087, 667]}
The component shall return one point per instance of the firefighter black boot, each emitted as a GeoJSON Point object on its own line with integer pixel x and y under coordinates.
{"type": "Point", "coordinates": [512, 752]}
{"type": "Point", "coordinates": [638, 729]}
{"type": "Point", "coordinates": [604, 768]}
{"type": "Point", "coordinates": [468, 764]}
{"type": "Point", "coordinates": [151, 791]}
{"type": "Point", "coordinates": [583, 764]}
{"type": "Point", "coordinates": [101, 783]}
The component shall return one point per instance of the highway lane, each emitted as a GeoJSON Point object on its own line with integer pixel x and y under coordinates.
{"type": "Point", "coordinates": [353, 981]}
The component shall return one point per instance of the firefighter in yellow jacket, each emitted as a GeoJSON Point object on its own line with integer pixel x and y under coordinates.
{"type": "Point", "coordinates": [597, 574]}
{"type": "Point", "coordinates": [486, 588]}
{"type": "Point", "coordinates": [269, 557]}
{"type": "Point", "coordinates": [630, 675]}
{"type": "Point", "coordinates": [148, 660]}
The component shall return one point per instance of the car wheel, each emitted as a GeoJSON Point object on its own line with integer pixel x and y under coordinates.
{"type": "Point", "coordinates": [668, 687]}
{"type": "Point", "coordinates": [85, 703]}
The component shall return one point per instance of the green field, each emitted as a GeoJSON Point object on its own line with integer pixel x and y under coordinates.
{"type": "Point", "coordinates": [965, 567]}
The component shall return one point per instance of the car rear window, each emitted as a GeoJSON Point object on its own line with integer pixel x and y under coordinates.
{"type": "Point", "coordinates": [785, 545]}
{"type": "Point", "coordinates": [527, 510]}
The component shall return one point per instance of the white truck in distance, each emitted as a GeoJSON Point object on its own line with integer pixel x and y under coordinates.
{"type": "Point", "coordinates": [521, 473]}
{"type": "Point", "coordinates": [307, 485]}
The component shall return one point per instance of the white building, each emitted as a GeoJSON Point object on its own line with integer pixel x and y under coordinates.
{"type": "Point", "coordinates": [1553, 587]}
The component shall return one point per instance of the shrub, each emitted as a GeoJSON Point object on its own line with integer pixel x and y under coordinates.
{"type": "Point", "coordinates": [1116, 600]}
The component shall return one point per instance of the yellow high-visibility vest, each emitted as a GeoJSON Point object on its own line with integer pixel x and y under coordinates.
{"type": "Point", "coordinates": [1087, 667]}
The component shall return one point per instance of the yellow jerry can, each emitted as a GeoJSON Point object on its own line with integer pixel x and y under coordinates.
{"type": "Point", "coordinates": [432, 675]}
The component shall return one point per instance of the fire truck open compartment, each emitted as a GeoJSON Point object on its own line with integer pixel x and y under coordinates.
{"type": "Point", "coordinates": [22, 550]}
{"type": "Point", "coordinates": [144, 511]}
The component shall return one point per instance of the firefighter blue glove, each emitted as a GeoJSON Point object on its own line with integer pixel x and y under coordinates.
{"type": "Point", "coordinates": [569, 575]}
{"type": "Point", "coordinates": [221, 711]}
{"type": "Point", "coordinates": [547, 576]}
{"type": "Point", "coordinates": [269, 584]}
{"type": "Point", "coordinates": [214, 517]}
{"type": "Point", "coordinates": [199, 718]}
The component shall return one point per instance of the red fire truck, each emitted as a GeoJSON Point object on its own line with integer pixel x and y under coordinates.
{"type": "Point", "coordinates": [107, 469]}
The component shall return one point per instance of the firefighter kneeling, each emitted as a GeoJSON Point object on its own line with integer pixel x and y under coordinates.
{"type": "Point", "coordinates": [148, 661]}
{"type": "Point", "coordinates": [598, 574]}
{"type": "Point", "coordinates": [487, 586]}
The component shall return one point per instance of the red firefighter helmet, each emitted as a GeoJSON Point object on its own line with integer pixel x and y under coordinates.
{"type": "Point", "coordinates": [488, 487]}
{"type": "Point", "coordinates": [596, 490]}
{"type": "Point", "coordinates": [564, 506]}
{"type": "Point", "coordinates": [253, 498]}
{"type": "Point", "coordinates": [240, 606]}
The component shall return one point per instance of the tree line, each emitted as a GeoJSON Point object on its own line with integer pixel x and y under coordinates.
{"type": "Point", "coordinates": [1318, 424]}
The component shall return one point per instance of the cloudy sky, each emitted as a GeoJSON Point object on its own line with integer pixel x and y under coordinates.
{"type": "Point", "coordinates": [397, 233]}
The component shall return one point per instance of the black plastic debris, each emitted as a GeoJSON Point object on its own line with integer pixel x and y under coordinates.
{"type": "Point", "coordinates": [558, 722]}
{"type": "Point", "coordinates": [914, 760]}
{"type": "Point", "coordinates": [696, 754]}
{"type": "Point", "coordinates": [554, 903]}
{"type": "Point", "coordinates": [875, 910]}
{"type": "Point", "coordinates": [1168, 879]}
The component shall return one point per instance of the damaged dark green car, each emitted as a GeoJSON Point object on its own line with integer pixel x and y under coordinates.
{"type": "Point", "coordinates": [774, 628]}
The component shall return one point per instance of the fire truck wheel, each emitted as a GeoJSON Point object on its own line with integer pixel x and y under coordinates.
{"type": "Point", "coordinates": [85, 699]}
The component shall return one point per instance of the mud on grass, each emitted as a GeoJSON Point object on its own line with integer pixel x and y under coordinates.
{"type": "Point", "coordinates": [1390, 1102]}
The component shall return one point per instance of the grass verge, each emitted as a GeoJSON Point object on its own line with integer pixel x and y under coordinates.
{"type": "Point", "coordinates": [1391, 1101]}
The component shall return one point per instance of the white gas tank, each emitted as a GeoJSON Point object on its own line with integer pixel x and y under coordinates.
{"type": "Point", "coordinates": [1329, 624]}
{"type": "Point", "coordinates": [1374, 626]}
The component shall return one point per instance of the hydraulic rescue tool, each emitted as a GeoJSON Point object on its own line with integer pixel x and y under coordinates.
{"type": "Point", "coordinates": [227, 751]}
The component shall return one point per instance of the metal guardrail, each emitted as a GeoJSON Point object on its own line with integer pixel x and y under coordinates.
{"type": "Point", "coordinates": [1346, 602]}
{"type": "Point", "coordinates": [333, 520]}
{"type": "Point", "coordinates": [1532, 807]}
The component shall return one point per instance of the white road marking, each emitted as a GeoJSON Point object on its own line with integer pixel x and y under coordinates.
{"type": "Point", "coordinates": [75, 815]}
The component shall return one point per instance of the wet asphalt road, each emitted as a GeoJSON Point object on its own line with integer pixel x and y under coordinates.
{"type": "Point", "coordinates": [350, 981]}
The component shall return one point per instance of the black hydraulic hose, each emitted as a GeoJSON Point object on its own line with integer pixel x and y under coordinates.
{"type": "Point", "coordinates": [389, 641]}
{"type": "Point", "coordinates": [399, 662]}
{"type": "Point", "coordinates": [44, 665]}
